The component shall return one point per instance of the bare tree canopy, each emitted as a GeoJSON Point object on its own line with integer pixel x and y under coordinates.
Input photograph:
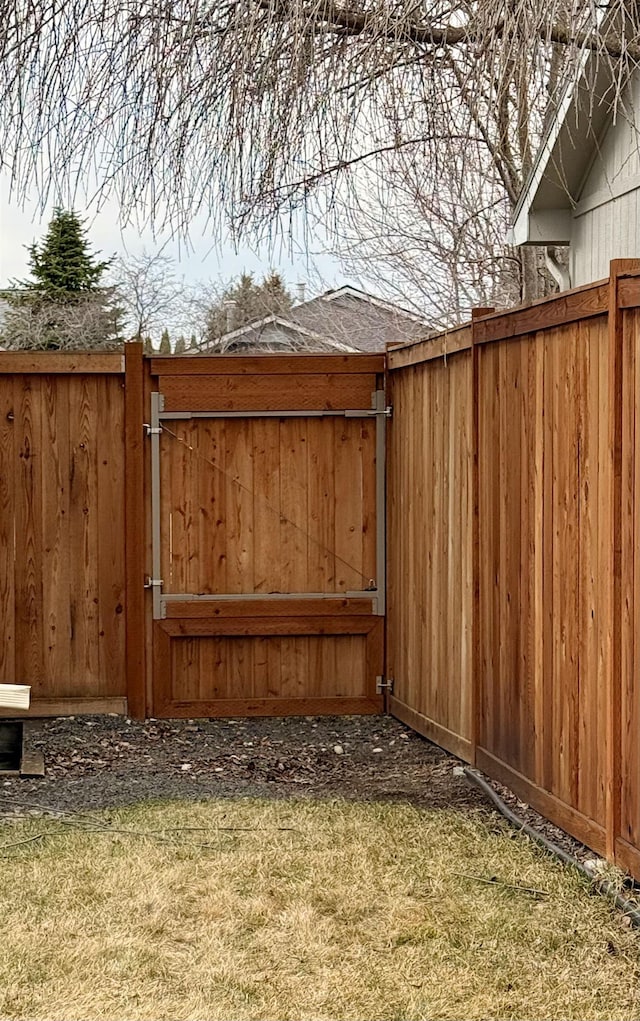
{"type": "Point", "coordinates": [150, 293]}
{"type": "Point", "coordinates": [251, 109]}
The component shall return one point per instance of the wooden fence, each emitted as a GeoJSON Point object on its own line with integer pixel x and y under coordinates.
{"type": "Point", "coordinates": [513, 490]}
{"type": "Point", "coordinates": [232, 575]}
{"type": "Point", "coordinates": [514, 600]}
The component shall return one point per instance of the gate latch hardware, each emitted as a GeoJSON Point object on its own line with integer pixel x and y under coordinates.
{"type": "Point", "coordinates": [153, 582]}
{"type": "Point", "coordinates": [386, 412]}
{"type": "Point", "coordinates": [382, 685]}
{"type": "Point", "coordinates": [153, 430]}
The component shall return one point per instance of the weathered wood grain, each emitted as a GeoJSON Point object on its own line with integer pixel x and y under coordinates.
{"type": "Point", "coordinates": [319, 392]}
{"type": "Point", "coordinates": [264, 506]}
{"type": "Point", "coordinates": [135, 511]}
{"type": "Point", "coordinates": [58, 362]}
{"type": "Point", "coordinates": [429, 627]}
{"type": "Point", "coordinates": [62, 532]}
{"type": "Point", "coordinates": [266, 365]}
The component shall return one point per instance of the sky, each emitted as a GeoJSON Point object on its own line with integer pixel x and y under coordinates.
{"type": "Point", "coordinates": [204, 257]}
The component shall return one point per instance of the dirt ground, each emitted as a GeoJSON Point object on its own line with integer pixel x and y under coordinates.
{"type": "Point", "coordinates": [97, 762]}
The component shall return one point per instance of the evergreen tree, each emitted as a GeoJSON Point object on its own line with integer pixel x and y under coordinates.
{"type": "Point", "coordinates": [63, 305]}
{"type": "Point", "coordinates": [245, 301]}
{"type": "Point", "coordinates": [193, 343]}
{"type": "Point", "coordinates": [62, 266]}
{"type": "Point", "coordinates": [165, 343]}
{"type": "Point", "coordinates": [180, 346]}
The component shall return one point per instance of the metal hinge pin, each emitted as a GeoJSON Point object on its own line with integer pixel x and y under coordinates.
{"type": "Point", "coordinates": [382, 685]}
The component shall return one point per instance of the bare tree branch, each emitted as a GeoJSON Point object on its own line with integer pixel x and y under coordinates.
{"type": "Point", "coordinates": [253, 111]}
{"type": "Point", "coordinates": [149, 293]}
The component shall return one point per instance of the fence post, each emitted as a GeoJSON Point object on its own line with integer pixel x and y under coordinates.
{"type": "Point", "coordinates": [135, 530]}
{"type": "Point", "coordinates": [476, 682]}
{"type": "Point", "coordinates": [617, 270]}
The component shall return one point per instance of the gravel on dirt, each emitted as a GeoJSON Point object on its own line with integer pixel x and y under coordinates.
{"type": "Point", "coordinates": [99, 762]}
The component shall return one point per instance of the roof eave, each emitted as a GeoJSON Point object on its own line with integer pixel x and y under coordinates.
{"type": "Point", "coordinates": [542, 227]}
{"type": "Point", "coordinates": [566, 153]}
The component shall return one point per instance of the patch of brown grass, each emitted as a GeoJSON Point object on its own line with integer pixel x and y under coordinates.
{"type": "Point", "coordinates": [310, 910]}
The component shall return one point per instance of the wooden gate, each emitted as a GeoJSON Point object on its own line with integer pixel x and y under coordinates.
{"type": "Point", "coordinates": [267, 520]}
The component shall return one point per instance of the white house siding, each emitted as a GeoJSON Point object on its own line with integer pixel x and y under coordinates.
{"type": "Point", "coordinates": [612, 231]}
{"type": "Point", "coordinates": [606, 220]}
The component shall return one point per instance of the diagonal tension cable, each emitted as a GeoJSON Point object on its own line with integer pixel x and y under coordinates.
{"type": "Point", "coordinates": [275, 510]}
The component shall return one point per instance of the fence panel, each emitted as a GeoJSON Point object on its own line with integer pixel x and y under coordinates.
{"type": "Point", "coordinates": [62, 605]}
{"type": "Point", "coordinates": [628, 842]}
{"type": "Point", "coordinates": [548, 701]}
{"type": "Point", "coordinates": [544, 585]}
{"type": "Point", "coordinates": [430, 543]}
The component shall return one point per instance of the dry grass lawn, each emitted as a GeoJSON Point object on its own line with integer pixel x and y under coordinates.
{"type": "Point", "coordinates": [309, 910]}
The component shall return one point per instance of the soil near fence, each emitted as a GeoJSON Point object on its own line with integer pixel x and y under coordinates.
{"type": "Point", "coordinates": [101, 762]}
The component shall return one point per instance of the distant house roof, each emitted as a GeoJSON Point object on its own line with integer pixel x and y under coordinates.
{"type": "Point", "coordinates": [275, 333]}
{"type": "Point", "coordinates": [343, 320]}
{"type": "Point", "coordinates": [543, 213]}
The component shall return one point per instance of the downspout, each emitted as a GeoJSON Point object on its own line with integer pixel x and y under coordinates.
{"type": "Point", "coordinates": [559, 273]}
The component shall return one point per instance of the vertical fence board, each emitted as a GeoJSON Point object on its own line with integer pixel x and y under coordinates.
{"type": "Point", "coordinates": [628, 843]}
{"type": "Point", "coordinates": [7, 533]}
{"type": "Point", "coordinates": [57, 548]}
{"type": "Point", "coordinates": [111, 516]}
{"type": "Point", "coordinates": [540, 684]}
{"type": "Point", "coordinates": [30, 663]}
{"type": "Point", "coordinates": [135, 530]}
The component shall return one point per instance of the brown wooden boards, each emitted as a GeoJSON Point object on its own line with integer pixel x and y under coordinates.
{"type": "Point", "coordinates": [628, 842]}
{"type": "Point", "coordinates": [135, 522]}
{"type": "Point", "coordinates": [430, 548]}
{"type": "Point", "coordinates": [267, 505]}
{"type": "Point", "coordinates": [545, 597]}
{"type": "Point", "coordinates": [284, 392]}
{"type": "Point", "coordinates": [62, 606]}
{"type": "Point", "coordinates": [267, 666]}
{"type": "Point", "coordinates": [550, 446]}
{"type": "Point", "coordinates": [266, 529]}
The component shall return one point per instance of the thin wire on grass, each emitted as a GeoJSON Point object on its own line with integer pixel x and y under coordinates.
{"type": "Point", "coordinates": [18, 843]}
{"type": "Point", "coordinates": [87, 823]}
{"type": "Point", "coordinates": [494, 881]}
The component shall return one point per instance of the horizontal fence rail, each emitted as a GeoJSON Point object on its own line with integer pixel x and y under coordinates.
{"type": "Point", "coordinates": [514, 602]}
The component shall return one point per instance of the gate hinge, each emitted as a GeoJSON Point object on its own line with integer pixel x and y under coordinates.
{"type": "Point", "coordinates": [152, 582]}
{"type": "Point", "coordinates": [152, 430]}
{"type": "Point", "coordinates": [382, 685]}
